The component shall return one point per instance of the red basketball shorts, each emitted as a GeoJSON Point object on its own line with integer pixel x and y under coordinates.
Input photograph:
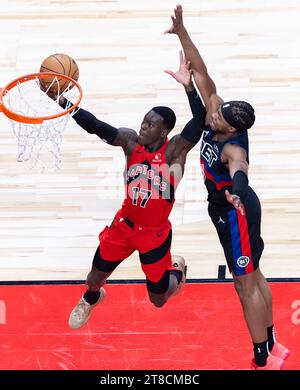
{"type": "Point", "coordinates": [123, 237]}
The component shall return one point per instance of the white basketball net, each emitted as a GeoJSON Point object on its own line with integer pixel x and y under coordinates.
{"type": "Point", "coordinates": [39, 144]}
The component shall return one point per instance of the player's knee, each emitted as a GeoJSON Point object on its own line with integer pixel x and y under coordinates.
{"type": "Point", "coordinates": [244, 289]}
{"type": "Point", "coordinates": [158, 301]}
{"type": "Point", "coordinates": [157, 298]}
{"type": "Point", "coordinates": [238, 287]}
{"type": "Point", "coordinates": [240, 290]}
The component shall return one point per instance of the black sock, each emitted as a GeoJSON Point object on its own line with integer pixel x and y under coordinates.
{"type": "Point", "coordinates": [177, 274]}
{"type": "Point", "coordinates": [261, 353]}
{"type": "Point", "coordinates": [91, 296]}
{"type": "Point", "coordinates": [271, 337]}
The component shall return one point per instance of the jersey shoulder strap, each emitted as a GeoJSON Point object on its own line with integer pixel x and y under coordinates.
{"type": "Point", "coordinates": [241, 140]}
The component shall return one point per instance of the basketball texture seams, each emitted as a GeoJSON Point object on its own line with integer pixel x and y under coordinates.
{"type": "Point", "coordinates": [62, 64]}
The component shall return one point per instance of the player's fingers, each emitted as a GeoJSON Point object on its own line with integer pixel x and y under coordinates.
{"type": "Point", "coordinates": [243, 210]}
{"type": "Point", "coordinates": [180, 57]}
{"type": "Point", "coordinates": [228, 195]}
{"type": "Point", "coordinates": [170, 72]}
{"type": "Point", "coordinates": [177, 9]}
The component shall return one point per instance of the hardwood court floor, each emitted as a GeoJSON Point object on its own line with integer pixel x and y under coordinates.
{"type": "Point", "coordinates": [49, 222]}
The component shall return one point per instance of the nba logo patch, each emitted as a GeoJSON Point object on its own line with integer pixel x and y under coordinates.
{"type": "Point", "coordinates": [157, 158]}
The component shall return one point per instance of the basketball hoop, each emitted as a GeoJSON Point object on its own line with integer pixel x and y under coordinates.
{"type": "Point", "coordinates": [38, 121]}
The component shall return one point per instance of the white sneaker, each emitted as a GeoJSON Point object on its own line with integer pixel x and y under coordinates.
{"type": "Point", "coordinates": [179, 263]}
{"type": "Point", "coordinates": [83, 310]}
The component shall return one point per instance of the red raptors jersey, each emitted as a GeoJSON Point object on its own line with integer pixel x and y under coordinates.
{"type": "Point", "coordinates": [149, 187]}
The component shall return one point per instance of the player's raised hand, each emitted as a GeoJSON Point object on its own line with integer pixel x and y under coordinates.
{"type": "Point", "coordinates": [52, 94]}
{"type": "Point", "coordinates": [184, 73]}
{"type": "Point", "coordinates": [235, 200]}
{"type": "Point", "coordinates": [177, 25]}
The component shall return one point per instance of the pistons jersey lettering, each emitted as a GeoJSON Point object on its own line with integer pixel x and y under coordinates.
{"type": "Point", "coordinates": [216, 175]}
{"type": "Point", "coordinates": [207, 152]}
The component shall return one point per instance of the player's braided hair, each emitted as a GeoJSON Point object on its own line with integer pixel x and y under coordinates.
{"type": "Point", "coordinates": [238, 114]}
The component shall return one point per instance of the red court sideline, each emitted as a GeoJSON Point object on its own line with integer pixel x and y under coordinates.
{"type": "Point", "coordinates": [202, 328]}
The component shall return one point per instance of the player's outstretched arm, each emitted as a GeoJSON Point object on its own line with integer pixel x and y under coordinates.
{"type": "Point", "coordinates": [182, 143]}
{"type": "Point", "coordinates": [126, 138]}
{"type": "Point", "coordinates": [184, 77]}
{"type": "Point", "coordinates": [204, 82]}
{"type": "Point", "coordinates": [236, 157]}
{"type": "Point", "coordinates": [183, 74]}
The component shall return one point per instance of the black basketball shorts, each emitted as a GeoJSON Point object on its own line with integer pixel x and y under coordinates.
{"type": "Point", "coordinates": [240, 234]}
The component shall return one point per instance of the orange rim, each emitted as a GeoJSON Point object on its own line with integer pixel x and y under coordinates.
{"type": "Point", "coordinates": [35, 120]}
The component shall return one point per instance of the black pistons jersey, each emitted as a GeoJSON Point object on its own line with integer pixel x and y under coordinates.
{"type": "Point", "coordinates": [216, 176]}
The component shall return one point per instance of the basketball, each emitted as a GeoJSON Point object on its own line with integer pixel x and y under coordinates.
{"type": "Point", "coordinates": [61, 64]}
